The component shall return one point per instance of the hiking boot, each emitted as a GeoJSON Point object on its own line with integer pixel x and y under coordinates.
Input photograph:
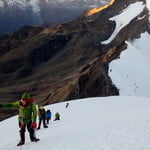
{"type": "Point", "coordinates": [35, 139]}
{"type": "Point", "coordinates": [45, 126]}
{"type": "Point", "coordinates": [20, 143]}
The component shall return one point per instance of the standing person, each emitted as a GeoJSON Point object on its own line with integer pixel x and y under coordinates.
{"type": "Point", "coordinates": [27, 117]}
{"type": "Point", "coordinates": [42, 117]}
{"type": "Point", "coordinates": [48, 116]}
{"type": "Point", "coordinates": [57, 116]}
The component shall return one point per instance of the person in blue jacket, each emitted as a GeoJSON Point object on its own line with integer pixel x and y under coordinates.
{"type": "Point", "coordinates": [48, 116]}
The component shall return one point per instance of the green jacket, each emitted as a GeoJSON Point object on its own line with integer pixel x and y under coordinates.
{"type": "Point", "coordinates": [57, 115]}
{"type": "Point", "coordinates": [26, 113]}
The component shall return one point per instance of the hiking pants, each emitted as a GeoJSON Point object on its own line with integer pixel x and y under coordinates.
{"type": "Point", "coordinates": [40, 120]}
{"type": "Point", "coordinates": [23, 130]}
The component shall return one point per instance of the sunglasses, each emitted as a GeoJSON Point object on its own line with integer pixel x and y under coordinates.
{"type": "Point", "coordinates": [22, 100]}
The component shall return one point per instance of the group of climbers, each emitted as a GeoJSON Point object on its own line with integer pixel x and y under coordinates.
{"type": "Point", "coordinates": [44, 116]}
{"type": "Point", "coordinates": [27, 116]}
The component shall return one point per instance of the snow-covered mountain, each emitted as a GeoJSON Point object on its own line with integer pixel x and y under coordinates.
{"type": "Point", "coordinates": [130, 72]}
{"type": "Point", "coordinates": [110, 123]}
{"type": "Point", "coordinates": [17, 13]}
{"type": "Point", "coordinates": [36, 4]}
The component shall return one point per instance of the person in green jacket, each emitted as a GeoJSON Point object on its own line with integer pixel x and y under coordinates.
{"type": "Point", "coordinates": [26, 117]}
{"type": "Point", "coordinates": [57, 116]}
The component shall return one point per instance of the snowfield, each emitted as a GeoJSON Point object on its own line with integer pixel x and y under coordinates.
{"type": "Point", "coordinates": [130, 73]}
{"type": "Point", "coordinates": [109, 123]}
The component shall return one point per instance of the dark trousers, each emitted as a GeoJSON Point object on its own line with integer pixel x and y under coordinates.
{"type": "Point", "coordinates": [47, 120]}
{"type": "Point", "coordinates": [40, 120]}
{"type": "Point", "coordinates": [57, 118]}
{"type": "Point", "coordinates": [23, 130]}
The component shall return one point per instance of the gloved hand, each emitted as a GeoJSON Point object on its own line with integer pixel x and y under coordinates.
{"type": "Point", "coordinates": [34, 125]}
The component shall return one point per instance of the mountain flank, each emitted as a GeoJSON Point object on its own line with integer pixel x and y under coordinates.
{"type": "Point", "coordinates": [67, 61]}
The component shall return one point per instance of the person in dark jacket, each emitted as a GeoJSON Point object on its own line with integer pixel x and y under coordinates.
{"type": "Point", "coordinates": [42, 117]}
{"type": "Point", "coordinates": [27, 117]}
{"type": "Point", "coordinates": [67, 105]}
{"type": "Point", "coordinates": [48, 116]}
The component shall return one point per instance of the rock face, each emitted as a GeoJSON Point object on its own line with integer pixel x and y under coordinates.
{"type": "Point", "coordinates": [67, 61]}
{"type": "Point", "coordinates": [17, 13]}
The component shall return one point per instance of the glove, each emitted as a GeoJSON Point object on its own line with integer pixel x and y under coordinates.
{"type": "Point", "coordinates": [33, 125]}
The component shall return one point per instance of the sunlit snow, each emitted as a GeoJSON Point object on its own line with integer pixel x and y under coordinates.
{"type": "Point", "coordinates": [130, 73]}
{"type": "Point", "coordinates": [110, 123]}
{"type": "Point", "coordinates": [1, 4]}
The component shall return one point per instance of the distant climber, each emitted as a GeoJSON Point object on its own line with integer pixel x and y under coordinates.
{"type": "Point", "coordinates": [27, 116]}
{"type": "Point", "coordinates": [42, 117]}
{"type": "Point", "coordinates": [67, 104]}
{"type": "Point", "coordinates": [48, 116]}
{"type": "Point", "coordinates": [57, 116]}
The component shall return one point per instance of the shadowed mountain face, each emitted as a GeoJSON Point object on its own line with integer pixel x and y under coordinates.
{"type": "Point", "coordinates": [67, 61]}
{"type": "Point", "coordinates": [15, 14]}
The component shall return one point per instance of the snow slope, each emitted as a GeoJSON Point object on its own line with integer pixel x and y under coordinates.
{"type": "Point", "coordinates": [1, 4]}
{"type": "Point", "coordinates": [110, 123]}
{"type": "Point", "coordinates": [130, 73]}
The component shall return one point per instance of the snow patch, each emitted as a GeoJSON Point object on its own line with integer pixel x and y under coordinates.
{"type": "Point", "coordinates": [23, 4]}
{"type": "Point", "coordinates": [148, 6]}
{"type": "Point", "coordinates": [125, 18]}
{"type": "Point", "coordinates": [143, 45]}
{"type": "Point", "coordinates": [1, 4]}
{"type": "Point", "coordinates": [20, 3]}
{"type": "Point", "coordinates": [35, 4]}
